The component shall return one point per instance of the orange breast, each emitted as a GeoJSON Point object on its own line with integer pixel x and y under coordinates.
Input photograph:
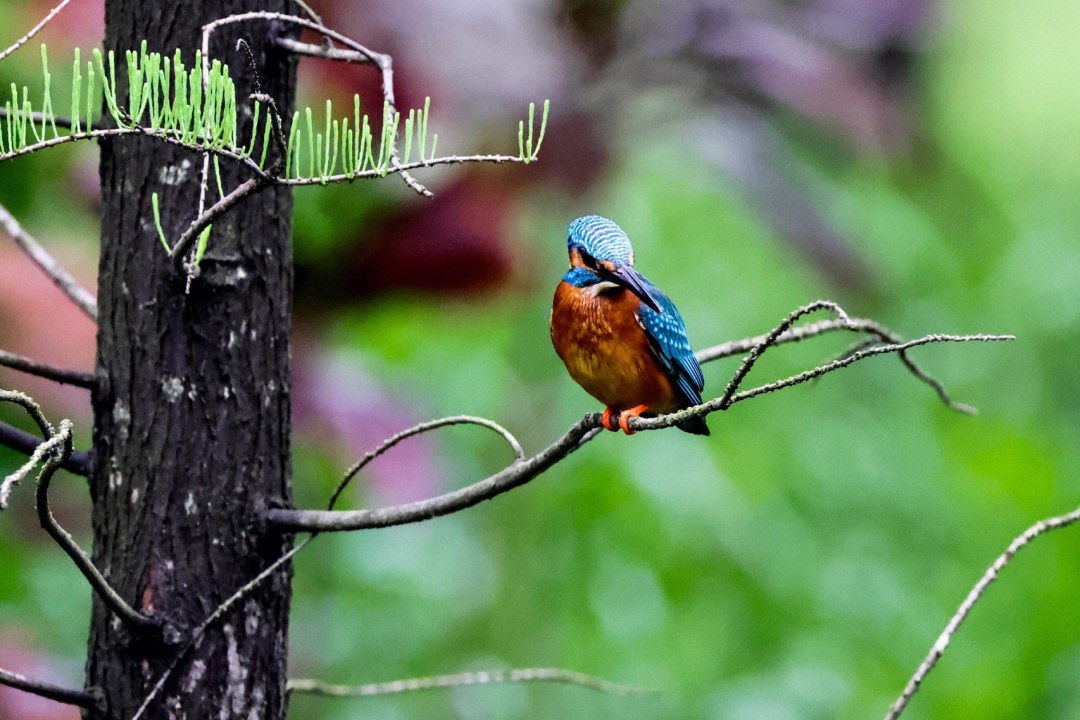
{"type": "Point", "coordinates": [606, 351]}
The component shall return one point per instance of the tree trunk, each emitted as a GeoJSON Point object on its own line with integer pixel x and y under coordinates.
{"type": "Point", "coordinates": [191, 426]}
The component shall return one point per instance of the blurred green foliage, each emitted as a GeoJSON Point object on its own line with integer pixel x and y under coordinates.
{"type": "Point", "coordinates": [798, 563]}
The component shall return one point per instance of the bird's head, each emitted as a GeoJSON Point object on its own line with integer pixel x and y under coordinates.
{"type": "Point", "coordinates": [603, 253]}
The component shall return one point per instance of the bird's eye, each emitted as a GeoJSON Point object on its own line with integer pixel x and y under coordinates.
{"type": "Point", "coordinates": [588, 259]}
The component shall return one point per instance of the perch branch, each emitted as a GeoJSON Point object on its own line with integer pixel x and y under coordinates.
{"type": "Point", "coordinates": [60, 375]}
{"type": "Point", "coordinates": [35, 30]}
{"type": "Point", "coordinates": [523, 471]}
{"type": "Point", "coordinates": [91, 699]}
{"type": "Point", "coordinates": [518, 473]}
{"type": "Point", "coordinates": [63, 279]}
{"type": "Point", "coordinates": [551, 675]}
{"type": "Point", "coordinates": [938, 649]}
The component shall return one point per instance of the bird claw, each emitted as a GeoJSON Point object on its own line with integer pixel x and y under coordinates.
{"type": "Point", "coordinates": [605, 420]}
{"type": "Point", "coordinates": [627, 414]}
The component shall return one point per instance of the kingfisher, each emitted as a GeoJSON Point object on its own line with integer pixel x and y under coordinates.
{"type": "Point", "coordinates": [620, 337]}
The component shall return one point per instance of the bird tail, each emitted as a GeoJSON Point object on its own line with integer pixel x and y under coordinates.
{"type": "Point", "coordinates": [695, 426]}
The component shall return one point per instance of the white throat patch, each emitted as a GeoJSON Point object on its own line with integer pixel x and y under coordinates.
{"type": "Point", "coordinates": [600, 287]}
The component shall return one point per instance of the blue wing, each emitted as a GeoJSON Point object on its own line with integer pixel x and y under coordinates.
{"type": "Point", "coordinates": [667, 333]}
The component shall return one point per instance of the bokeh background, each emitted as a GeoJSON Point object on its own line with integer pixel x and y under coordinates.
{"type": "Point", "coordinates": [916, 160]}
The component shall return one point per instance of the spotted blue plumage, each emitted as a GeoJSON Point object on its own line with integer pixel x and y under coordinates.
{"type": "Point", "coordinates": [667, 333]}
{"type": "Point", "coordinates": [601, 238]}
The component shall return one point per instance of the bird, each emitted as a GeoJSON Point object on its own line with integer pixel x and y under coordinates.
{"type": "Point", "coordinates": [620, 337]}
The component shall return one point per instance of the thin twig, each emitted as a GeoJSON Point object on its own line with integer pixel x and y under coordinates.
{"type": "Point", "coordinates": [519, 453]}
{"type": "Point", "coordinates": [552, 675]}
{"type": "Point", "coordinates": [60, 375]}
{"type": "Point", "coordinates": [770, 339]}
{"type": "Point", "coordinates": [188, 238]}
{"type": "Point", "coordinates": [97, 581]}
{"type": "Point", "coordinates": [938, 649]}
{"type": "Point", "coordinates": [35, 30]}
{"type": "Point", "coordinates": [90, 699]}
{"type": "Point", "coordinates": [737, 347]}
{"type": "Point", "coordinates": [63, 279]}
{"type": "Point", "coordinates": [213, 617]}
{"type": "Point", "coordinates": [307, 8]}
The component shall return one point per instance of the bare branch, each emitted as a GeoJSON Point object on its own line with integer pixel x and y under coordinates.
{"type": "Point", "coordinates": [736, 347]}
{"type": "Point", "coordinates": [25, 443]}
{"type": "Point", "coordinates": [97, 581]}
{"type": "Point", "coordinates": [250, 587]}
{"type": "Point", "coordinates": [35, 30]}
{"type": "Point", "coordinates": [92, 699]}
{"type": "Point", "coordinates": [63, 279]}
{"type": "Point", "coordinates": [302, 48]}
{"type": "Point", "coordinates": [552, 675]}
{"type": "Point", "coordinates": [60, 375]}
{"type": "Point", "coordinates": [509, 478]}
{"type": "Point", "coordinates": [938, 649]}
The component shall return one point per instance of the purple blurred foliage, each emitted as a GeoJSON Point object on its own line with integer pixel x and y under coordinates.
{"type": "Point", "coordinates": [343, 408]}
{"type": "Point", "coordinates": [18, 656]}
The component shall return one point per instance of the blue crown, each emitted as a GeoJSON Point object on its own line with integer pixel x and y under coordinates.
{"type": "Point", "coordinates": [601, 238]}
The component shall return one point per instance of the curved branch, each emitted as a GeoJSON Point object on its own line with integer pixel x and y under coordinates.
{"type": "Point", "coordinates": [509, 478]}
{"type": "Point", "coordinates": [60, 375]}
{"type": "Point", "coordinates": [63, 279]}
{"type": "Point", "coordinates": [938, 649]}
{"type": "Point", "coordinates": [551, 675]}
{"type": "Point", "coordinates": [55, 450]}
{"type": "Point", "coordinates": [761, 347]}
{"type": "Point", "coordinates": [519, 453]}
{"type": "Point", "coordinates": [91, 700]}
{"type": "Point", "coordinates": [97, 581]}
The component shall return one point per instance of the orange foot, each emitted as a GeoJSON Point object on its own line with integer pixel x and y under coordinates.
{"type": "Point", "coordinates": [627, 414]}
{"type": "Point", "coordinates": [605, 420]}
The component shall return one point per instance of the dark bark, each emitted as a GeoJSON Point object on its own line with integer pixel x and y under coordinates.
{"type": "Point", "coordinates": [191, 423]}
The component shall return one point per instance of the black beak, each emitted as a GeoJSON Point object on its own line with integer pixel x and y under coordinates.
{"type": "Point", "coordinates": [633, 281]}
